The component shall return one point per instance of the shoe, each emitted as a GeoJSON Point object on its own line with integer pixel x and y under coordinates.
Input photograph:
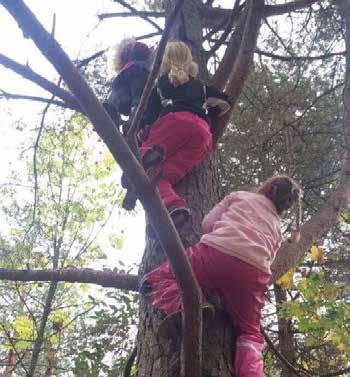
{"type": "Point", "coordinates": [125, 182]}
{"type": "Point", "coordinates": [129, 201]}
{"type": "Point", "coordinates": [153, 157]}
{"type": "Point", "coordinates": [179, 215]}
{"type": "Point", "coordinates": [145, 287]}
{"type": "Point", "coordinates": [170, 327]}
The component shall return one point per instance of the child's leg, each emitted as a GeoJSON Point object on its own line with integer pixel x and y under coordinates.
{"type": "Point", "coordinates": [244, 300]}
{"type": "Point", "coordinates": [185, 139]}
{"type": "Point", "coordinates": [164, 293]}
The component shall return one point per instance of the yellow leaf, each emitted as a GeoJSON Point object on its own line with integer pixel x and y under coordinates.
{"type": "Point", "coordinates": [343, 217]}
{"type": "Point", "coordinates": [286, 281]}
{"type": "Point", "coordinates": [316, 254]}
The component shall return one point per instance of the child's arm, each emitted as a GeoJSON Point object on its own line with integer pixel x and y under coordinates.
{"type": "Point", "coordinates": [215, 214]}
{"type": "Point", "coordinates": [217, 103]}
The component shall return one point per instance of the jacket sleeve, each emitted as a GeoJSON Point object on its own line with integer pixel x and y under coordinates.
{"type": "Point", "coordinates": [137, 82]}
{"type": "Point", "coordinates": [217, 103]}
{"type": "Point", "coordinates": [153, 109]}
{"type": "Point", "coordinates": [215, 214]}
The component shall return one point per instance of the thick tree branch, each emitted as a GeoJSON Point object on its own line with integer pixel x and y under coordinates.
{"type": "Point", "coordinates": [242, 63]}
{"type": "Point", "coordinates": [328, 215]}
{"type": "Point", "coordinates": [221, 75]}
{"type": "Point", "coordinates": [39, 80]}
{"type": "Point", "coordinates": [148, 195]}
{"type": "Point", "coordinates": [136, 13]}
{"type": "Point", "coordinates": [277, 10]}
{"type": "Point", "coordinates": [105, 278]}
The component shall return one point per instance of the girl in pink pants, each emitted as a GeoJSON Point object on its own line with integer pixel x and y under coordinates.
{"type": "Point", "coordinates": [241, 238]}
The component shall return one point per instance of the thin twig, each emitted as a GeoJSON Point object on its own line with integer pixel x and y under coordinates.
{"type": "Point", "coordinates": [291, 367]}
{"type": "Point", "coordinates": [133, 10]}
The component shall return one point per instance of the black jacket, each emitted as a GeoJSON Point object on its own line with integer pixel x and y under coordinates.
{"type": "Point", "coordinates": [126, 91]}
{"type": "Point", "coordinates": [193, 96]}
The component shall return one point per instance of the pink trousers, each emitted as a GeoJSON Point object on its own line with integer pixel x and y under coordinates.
{"type": "Point", "coordinates": [242, 288]}
{"type": "Point", "coordinates": [186, 139]}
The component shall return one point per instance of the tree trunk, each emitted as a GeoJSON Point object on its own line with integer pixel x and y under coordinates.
{"type": "Point", "coordinates": [10, 363]}
{"type": "Point", "coordinates": [159, 357]}
{"type": "Point", "coordinates": [285, 334]}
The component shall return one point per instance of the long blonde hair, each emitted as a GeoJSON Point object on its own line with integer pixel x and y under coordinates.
{"type": "Point", "coordinates": [178, 63]}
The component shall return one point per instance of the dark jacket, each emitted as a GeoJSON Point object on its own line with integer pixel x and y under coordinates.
{"type": "Point", "coordinates": [126, 91]}
{"type": "Point", "coordinates": [193, 96]}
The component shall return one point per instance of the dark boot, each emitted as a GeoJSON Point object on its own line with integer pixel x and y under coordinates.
{"type": "Point", "coordinates": [153, 157]}
{"type": "Point", "coordinates": [129, 201]}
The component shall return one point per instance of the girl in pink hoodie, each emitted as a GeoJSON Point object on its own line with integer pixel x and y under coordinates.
{"type": "Point", "coordinates": [242, 235]}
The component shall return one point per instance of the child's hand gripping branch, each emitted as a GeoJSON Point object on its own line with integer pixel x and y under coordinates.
{"type": "Point", "coordinates": [242, 235]}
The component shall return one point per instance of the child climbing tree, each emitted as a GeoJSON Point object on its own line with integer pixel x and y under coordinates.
{"type": "Point", "coordinates": [231, 35]}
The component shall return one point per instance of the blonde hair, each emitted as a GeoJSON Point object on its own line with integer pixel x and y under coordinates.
{"type": "Point", "coordinates": [178, 63]}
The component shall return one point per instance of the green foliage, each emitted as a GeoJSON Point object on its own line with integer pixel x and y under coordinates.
{"type": "Point", "coordinates": [76, 197]}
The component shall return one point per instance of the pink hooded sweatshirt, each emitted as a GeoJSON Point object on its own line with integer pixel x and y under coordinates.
{"type": "Point", "coordinates": [245, 225]}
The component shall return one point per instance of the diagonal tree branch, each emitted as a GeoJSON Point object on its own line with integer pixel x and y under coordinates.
{"type": "Point", "coordinates": [152, 77]}
{"type": "Point", "coordinates": [221, 75]}
{"type": "Point", "coordinates": [39, 80]}
{"type": "Point", "coordinates": [219, 42]}
{"type": "Point", "coordinates": [134, 10]}
{"type": "Point", "coordinates": [104, 126]}
{"type": "Point", "coordinates": [327, 216]}
{"type": "Point", "coordinates": [242, 63]}
{"type": "Point", "coordinates": [105, 278]}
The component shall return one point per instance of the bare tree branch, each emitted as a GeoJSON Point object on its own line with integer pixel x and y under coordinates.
{"type": "Point", "coordinates": [105, 278]}
{"type": "Point", "coordinates": [234, 15]}
{"type": "Point", "coordinates": [13, 96]}
{"type": "Point", "coordinates": [136, 13]}
{"type": "Point", "coordinates": [40, 336]}
{"type": "Point", "coordinates": [242, 63]}
{"type": "Point", "coordinates": [327, 216]}
{"type": "Point", "coordinates": [104, 126]}
{"type": "Point", "coordinates": [221, 75]}
{"type": "Point", "coordinates": [285, 362]}
{"type": "Point", "coordinates": [296, 58]}
{"type": "Point", "coordinates": [133, 10]}
{"type": "Point", "coordinates": [29, 74]}
{"type": "Point", "coordinates": [276, 10]}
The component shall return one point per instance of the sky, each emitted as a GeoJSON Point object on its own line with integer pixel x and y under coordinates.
{"type": "Point", "coordinates": [80, 33]}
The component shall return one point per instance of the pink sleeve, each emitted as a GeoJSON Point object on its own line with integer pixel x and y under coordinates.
{"type": "Point", "coordinates": [215, 214]}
